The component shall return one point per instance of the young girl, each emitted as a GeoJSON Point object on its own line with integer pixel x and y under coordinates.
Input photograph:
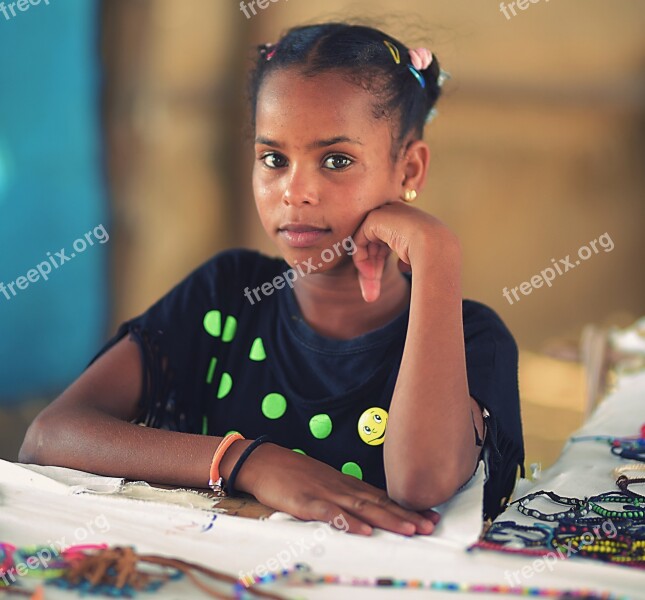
{"type": "Point", "coordinates": [328, 382]}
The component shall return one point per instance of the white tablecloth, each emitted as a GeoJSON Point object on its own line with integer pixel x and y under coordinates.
{"type": "Point", "coordinates": [59, 507]}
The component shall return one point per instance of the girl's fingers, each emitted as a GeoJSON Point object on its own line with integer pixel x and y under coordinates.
{"type": "Point", "coordinates": [370, 267]}
{"type": "Point", "coordinates": [381, 499]}
{"type": "Point", "coordinates": [423, 523]}
{"type": "Point", "coordinates": [323, 510]}
{"type": "Point", "coordinates": [386, 517]}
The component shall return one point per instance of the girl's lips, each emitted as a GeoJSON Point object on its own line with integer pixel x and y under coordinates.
{"type": "Point", "coordinates": [302, 239]}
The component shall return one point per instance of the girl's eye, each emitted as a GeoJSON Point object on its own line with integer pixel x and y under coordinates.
{"type": "Point", "coordinates": [337, 161]}
{"type": "Point", "coordinates": [273, 160]}
{"type": "Point", "coordinates": [334, 162]}
{"type": "Point", "coordinates": [377, 418]}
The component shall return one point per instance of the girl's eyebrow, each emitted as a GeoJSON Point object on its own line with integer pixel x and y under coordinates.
{"type": "Point", "coordinates": [317, 144]}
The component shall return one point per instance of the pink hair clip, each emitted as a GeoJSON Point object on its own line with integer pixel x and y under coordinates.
{"type": "Point", "coordinates": [421, 58]}
{"type": "Point", "coordinates": [268, 50]}
{"type": "Point", "coordinates": [271, 52]}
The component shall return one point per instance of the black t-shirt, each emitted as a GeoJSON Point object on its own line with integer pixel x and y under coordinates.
{"type": "Point", "coordinates": [216, 360]}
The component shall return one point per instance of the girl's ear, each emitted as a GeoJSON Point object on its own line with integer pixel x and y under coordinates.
{"type": "Point", "coordinates": [416, 159]}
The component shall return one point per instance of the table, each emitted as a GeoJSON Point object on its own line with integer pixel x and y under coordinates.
{"type": "Point", "coordinates": [49, 505]}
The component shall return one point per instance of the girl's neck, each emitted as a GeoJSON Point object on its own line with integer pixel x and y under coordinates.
{"type": "Point", "coordinates": [332, 304]}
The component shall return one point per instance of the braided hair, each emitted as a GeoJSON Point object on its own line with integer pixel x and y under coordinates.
{"type": "Point", "coordinates": [361, 55]}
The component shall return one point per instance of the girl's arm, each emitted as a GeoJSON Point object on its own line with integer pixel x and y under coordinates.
{"type": "Point", "coordinates": [430, 448]}
{"type": "Point", "coordinates": [88, 428]}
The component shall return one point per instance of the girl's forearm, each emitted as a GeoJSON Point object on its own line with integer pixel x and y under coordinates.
{"type": "Point", "coordinates": [90, 440]}
{"type": "Point", "coordinates": [429, 449]}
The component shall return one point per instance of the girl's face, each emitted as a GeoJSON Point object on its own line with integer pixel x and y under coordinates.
{"type": "Point", "coordinates": [322, 163]}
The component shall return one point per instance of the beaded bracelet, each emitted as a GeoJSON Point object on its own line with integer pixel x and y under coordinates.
{"type": "Point", "coordinates": [511, 534]}
{"type": "Point", "coordinates": [623, 482]}
{"type": "Point", "coordinates": [581, 506]}
{"type": "Point", "coordinates": [230, 487]}
{"type": "Point", "coordinates": [630, 450]}
{"type": "Point", "coordinates": [497, 547]}
{"type": "Point", "coordinates": [616, 513]}
{"type": "Point", "coordinates": [577, 527]}
{"type": "Point", "coordinates": [631, 505]}
{"type": "Point", "coordinates": [615, 496]}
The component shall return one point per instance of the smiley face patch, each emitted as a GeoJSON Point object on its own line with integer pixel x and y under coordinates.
{"type": "Point", "coordinates": [371, 426]}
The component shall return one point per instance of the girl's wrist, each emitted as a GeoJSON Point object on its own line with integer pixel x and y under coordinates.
{"type": "Point", "coordinates": [249, 473]}
{"type": "Point", "coordinates": [231, 456]}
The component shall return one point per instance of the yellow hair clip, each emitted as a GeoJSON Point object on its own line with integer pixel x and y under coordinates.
{"type": "Point", "coordinates": [394, 51]}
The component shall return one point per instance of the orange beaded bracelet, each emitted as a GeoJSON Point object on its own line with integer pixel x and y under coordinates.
{"type": "Point", "coordinates": [216, 482]}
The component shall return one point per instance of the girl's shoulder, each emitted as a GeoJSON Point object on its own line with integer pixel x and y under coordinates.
{"type": "Point", "coordinates": [480, 320]}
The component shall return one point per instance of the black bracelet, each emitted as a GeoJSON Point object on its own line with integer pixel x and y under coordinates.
{"type": "Point", "coordinates": [623, 482]}
{"type": "Point", "coordinates": [510, 533]}
{"type": "Point", "coordinates": [579, 507]}
{"type": "Point", "coordinates": [230, 484]}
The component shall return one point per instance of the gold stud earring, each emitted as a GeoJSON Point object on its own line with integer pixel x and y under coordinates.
{"type": "Point", "coordinates": [409, 195]}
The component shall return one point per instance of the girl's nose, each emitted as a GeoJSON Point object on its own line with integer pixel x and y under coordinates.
{"type": "Point", "coordinates": [299, 190]}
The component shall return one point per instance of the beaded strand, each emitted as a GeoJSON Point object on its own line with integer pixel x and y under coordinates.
{"type": "Point", "coordinates": [302, 574]}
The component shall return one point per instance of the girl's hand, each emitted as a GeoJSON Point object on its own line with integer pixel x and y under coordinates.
{"type": "Point", "coordinates": [411, 233]}
{"type": "Point", "coordinates": [313, 491]}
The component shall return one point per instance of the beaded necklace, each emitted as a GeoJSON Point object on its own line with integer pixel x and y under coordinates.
{"type": "Point", "coordinates": [301, 574]}
{"type": "Point", "coordinates": [113, 572]}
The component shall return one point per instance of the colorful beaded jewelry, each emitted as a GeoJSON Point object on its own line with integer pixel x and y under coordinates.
{"type": "Point", "coordinates": [302, 574]}
{"type": "Point", "coordinates": [631, 505]}
{"type": "Point", "coordinates": [580, 507]}
{"type": "Point", "coordinates": [115, 572]}
{"type": "Point", "coordinates": [511, 534]}
{"type": "Point", "coordinates": [611, 514]}
{"type": "Point", "coordinates": [623, 482]}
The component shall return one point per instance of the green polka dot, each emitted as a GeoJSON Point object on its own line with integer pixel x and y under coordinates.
{"type": "Point", "coordinates": [320, 426]}
{"type": "Point", "coordinates": [257, 350]}
{"type": "Point", "coordinates": [211, 370]}
{"type": "Point", "coordinates": [299, 451]}
{"type": "Point", "coordinates": [213, 322]}
{"type": "Point", "coordinates": [229, 329]}
{"type": "Point", "coordinates": [205, 425]}
{"type": "Point", "coordinates": [351, 468]}
{"type": "Point", "coordinates": [225, 385]}
{"type": "Point", "coordinates": [274, 405]}
{"type": "Point", "coordinates": [231, 431]}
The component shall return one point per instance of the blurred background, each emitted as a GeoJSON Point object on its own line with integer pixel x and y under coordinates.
{"type": "Point", "coordinates": [131, 115]}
